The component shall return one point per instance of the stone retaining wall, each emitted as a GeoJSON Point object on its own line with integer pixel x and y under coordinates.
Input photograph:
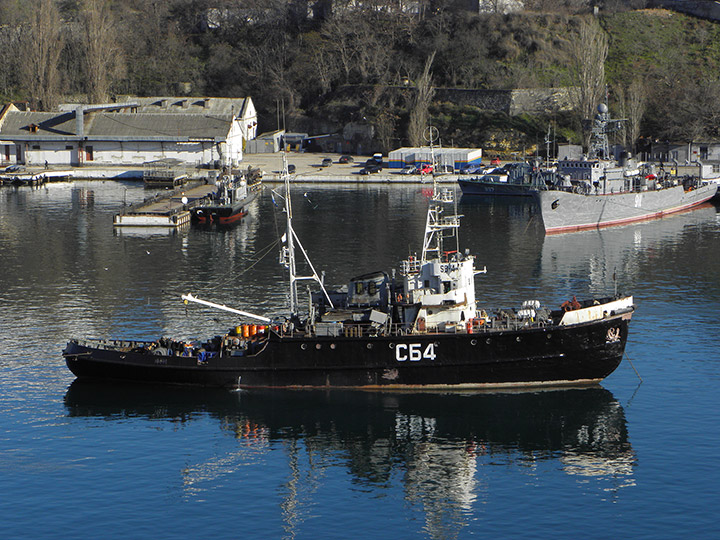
{"type": "Point", "coordinates": [702, 9]}
{"type": "Point", "coordinates": [512, 102]}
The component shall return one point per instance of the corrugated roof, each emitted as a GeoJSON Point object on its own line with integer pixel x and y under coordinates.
{"type": "Point", "coordinates": [100, 125]}
{"type": "Point", "coordinates": [17, 123]}
{"type": "Point", "coordinates": [139, 125]}
{"type": "Point", "coordinates": [184, 105]}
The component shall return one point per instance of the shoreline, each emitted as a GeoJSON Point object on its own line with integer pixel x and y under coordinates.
{"type": "Point", "coordinates": [308, 169]}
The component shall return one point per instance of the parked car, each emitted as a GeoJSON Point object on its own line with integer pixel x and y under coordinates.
{"type": "Point", "coordinates": [409, 169]}
{"type": "Point", "coordinates": [372, 161]}
{"type": "Point", "coordinates": [495, 161]}
{"type": "Point", "coordinates": [346, 159]}
{"type": "Point", "coordinates": [371, 169]}
{"type": "Point", "coordinates": [425, 168]}
{"type": "Point", "coordinates": [472, 169]}
{"type": "Point", "coordinates": [444, 169]}
{"type": "Point", "coordinates": [291, 168]}
{"type": "Point", "coordinates": [15, 168]}
{"type": "Point", "coordinates": [326, 162]}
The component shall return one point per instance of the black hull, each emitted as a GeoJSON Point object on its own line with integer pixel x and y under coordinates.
{"type": "Point", "coordinates": [223, 213]}
{"type": "Point", "coordinates": [472, 187]}
{"type": "Point", "coordinates": [553, 356]}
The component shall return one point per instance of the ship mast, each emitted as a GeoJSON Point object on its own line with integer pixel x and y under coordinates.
{"type": "Point", "coordinates": [600, 127]}
{"type": "Point", "coordinates": [287, 252]}
{"type": "Point", "coordinates": [436, 225]}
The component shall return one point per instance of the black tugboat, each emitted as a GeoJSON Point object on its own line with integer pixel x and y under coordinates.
{"type": "Point", "coordinates": [229, 202]}
{"type": "Point", "coordinates": [420, 329]}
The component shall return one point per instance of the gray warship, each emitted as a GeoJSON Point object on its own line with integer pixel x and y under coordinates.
{"type": "Point", "coordinates": [596, 191]}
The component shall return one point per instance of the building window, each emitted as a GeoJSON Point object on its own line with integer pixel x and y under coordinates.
{"type": "Point", "coordinates": [89, 153]}
{"type": "Point", "coordinates": [36, 147]}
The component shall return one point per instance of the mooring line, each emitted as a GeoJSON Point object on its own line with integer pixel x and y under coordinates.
{"type": "Point", "coordinates": [632, 366]}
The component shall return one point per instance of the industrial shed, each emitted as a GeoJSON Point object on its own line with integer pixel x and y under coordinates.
{"type": "Point", "coordinates": [457, 158]}
{"type": "Point", "coordinates": [128, 133]}
{"type": "Point", "coordinates": [265, 143]}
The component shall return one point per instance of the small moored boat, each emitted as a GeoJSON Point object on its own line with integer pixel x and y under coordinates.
{"type": "Point", "coordinates": [229, 202]}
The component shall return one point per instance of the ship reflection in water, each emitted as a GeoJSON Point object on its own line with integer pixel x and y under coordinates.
{"type": "Point", "coordinates": [626, 254]}
{"type": "Point", "coordinates": [437, 444]}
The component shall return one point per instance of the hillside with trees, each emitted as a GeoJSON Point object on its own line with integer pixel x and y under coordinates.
{"type": "Point", "coordinates": [320, 66]}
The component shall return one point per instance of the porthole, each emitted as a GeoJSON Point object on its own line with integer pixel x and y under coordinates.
{"type": "Point", "coordinates": [303, 346]}
{"type": "Point", "coordinates": [391, 345]}
{"type": "Point", "coordinates": [369, 345]}
{"type": "Point", "coordinates": [549, 336]}
{"type": "Point", "coordinates": [518, 339]}
{"type": "Point", "coordinates": [332, 346]}
{"type": "Point", "coordinates": [318, 346]}
{"type": "Point", "coordinates": [487, 341]}
{"type": "Point", "coordinates": [473, 342]}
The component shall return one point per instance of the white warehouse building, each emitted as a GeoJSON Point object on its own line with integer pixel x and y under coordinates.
{"type": "Point", "coordinates": [194, 131]}
{"type": "Point", "coordinates": [457, 158]}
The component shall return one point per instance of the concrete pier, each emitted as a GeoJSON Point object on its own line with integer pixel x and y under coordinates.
{"type": "Point", "coordinates": [166, 209]}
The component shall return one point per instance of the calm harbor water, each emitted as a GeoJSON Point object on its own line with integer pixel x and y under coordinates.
{"type": "Point", "coordinates": [623, 460]}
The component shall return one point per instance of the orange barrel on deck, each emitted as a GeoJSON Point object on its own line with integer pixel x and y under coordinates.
{"type": "Point", "coordinates": [245, 331]}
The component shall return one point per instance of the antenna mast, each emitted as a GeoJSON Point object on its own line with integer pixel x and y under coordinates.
{"type": "Point", "coordinates": [436, 225]}
{"type": "Point", "coordinates": [287, 253]}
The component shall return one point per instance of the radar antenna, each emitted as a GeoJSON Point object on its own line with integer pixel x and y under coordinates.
{"type": "Point", "coordinates": [600, 127]}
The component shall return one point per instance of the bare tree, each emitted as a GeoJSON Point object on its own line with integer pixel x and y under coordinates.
{"type": "Point", "coordinates": [335, 31]}
{"type": "Point", "coordinates": [9, 52]}
{"type": "Point", "coordinates": [420, 109]}
{"type": "Point", "coordinates": [589, 52]}
{"type": "Point", "coordinates": [696, 111]}
{"type": "Point", "coordinates": [42, 45]}
{"type": "Point", "coordinates": [103, 59]}
{"type": "Point", "coordinates": [621, 132]}
{"type": "Point", "coordinates": [636, 97]}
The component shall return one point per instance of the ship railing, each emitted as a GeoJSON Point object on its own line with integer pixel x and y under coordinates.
{"type": "Point", "coordinates": [444, 195]}
{"type": "Point", "coordinates": [480, 325]}
{"type": "Point", "coordinates": [409, 266]}
{"type": "Point", "coordinates": [113, 343]}
{"type": "Point", "coordinates": [449, 221]}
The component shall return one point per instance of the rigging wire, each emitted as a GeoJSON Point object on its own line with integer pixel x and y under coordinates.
{"type": "Point", "coordinates": [261, 254]}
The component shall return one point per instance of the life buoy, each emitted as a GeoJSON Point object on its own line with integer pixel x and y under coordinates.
{"type": "Point", "coordinates": [421, 324]}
